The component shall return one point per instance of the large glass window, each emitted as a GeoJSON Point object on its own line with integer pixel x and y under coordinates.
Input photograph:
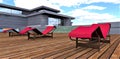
{"type": "Point", "coordinates": [5, 10]}
{"type": "Point", "coordinates": [54, 21]}
{"type": "Point", "coordinates": [10, 11]}
{"type": "Point", "coordinates": [16, 12]}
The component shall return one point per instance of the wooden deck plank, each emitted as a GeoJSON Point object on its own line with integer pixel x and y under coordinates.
{"type": "Point", "coordinates": [59, 47]}
{"type": "Point", "coordinates": [97, 54]}
{"type": "Point", "coordinates": [54, 55]}
{"type": "Point", "coordinates": [28, 51]}
{"type": "Point", "coordinates": [39, 51]}
{"type": "Point", "coordinates": [23, 47]}
{"type": "Point", "coordinates": [110, 51]}
{"type": "Point", "coordinates": [116, 54]}
{"type": "Point", "coordinates": [65, 55]}
{"type": "Point", "coordinates": [30, 45]}
{"type": "Point", "coordinates": [79, 53]}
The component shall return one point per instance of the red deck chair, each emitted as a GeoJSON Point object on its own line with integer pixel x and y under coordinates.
{"type": "Point", "coordinates": [82, 32]}
{"type": "Point", "coordinates": [13, 32]}
{"type": "Point", "coordinates": [48, 31]}
{"type": "Point", "coordinates": [6, 29]}
{"type": "Point", "coordinates": [105, 28]}
{"type": "Point", "coordinates": [25, 30]}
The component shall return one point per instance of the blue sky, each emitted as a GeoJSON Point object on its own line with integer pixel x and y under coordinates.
{"type": "Point", "coordinates": [84, 11]}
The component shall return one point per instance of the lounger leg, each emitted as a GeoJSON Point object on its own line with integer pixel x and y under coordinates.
{"type": "Point", "coordinates": [9, 34]}
{"type": "Point", "coordinates": [109, 38]}
{"type": "Point", "coordinates": [98, 41]}
{"type": "Point", "coordinates": [34, 37]}
{"type": "Point", "coordinates": [52, 35]}
{"type": "Point", "coordinates": [28, 36]}
{"type": "Point", "coordinates": [76, 42]}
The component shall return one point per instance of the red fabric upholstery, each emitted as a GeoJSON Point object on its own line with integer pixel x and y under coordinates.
{"type": "Point", "coordinates": [83, 32]}
{"type": "Point", "coordinates": [105, 28]}
{"type": "Point", "coordinates": [25, 30]}
{"type": "Point", "coordinates": [48, 29]}
{"type": "Point", "coordinates": [6, 29]}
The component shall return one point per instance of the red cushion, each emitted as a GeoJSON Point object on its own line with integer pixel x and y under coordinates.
{"type": "Point", "coordinates": [48, 29]}
{"type": "Point", "coordinates": [83, 32]}
{"type": "Point", "coordinates": [25, 30]}
{"type": "Point", "coordinates": [105, 28]}
{"type": "Point", "coordinates": [7, 29]}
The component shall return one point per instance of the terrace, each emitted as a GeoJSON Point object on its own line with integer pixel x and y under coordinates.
{"type": "Point", "coordinates": [59, 47]}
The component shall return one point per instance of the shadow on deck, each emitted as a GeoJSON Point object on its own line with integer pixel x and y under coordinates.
{"type": "Point", "coordinates": [59, 47]}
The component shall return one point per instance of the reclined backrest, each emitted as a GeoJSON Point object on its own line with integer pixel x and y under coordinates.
{"type": "Point", "coordinates": [14, 30]}
{"type": "Point", "coordinates": [37, 31]}
{"type": "Point", "coordinates": [105, 28]}
{"type": "Point", "coordinates": [25, 30]}
{"type": "Point", "coordinates": [48, 29]}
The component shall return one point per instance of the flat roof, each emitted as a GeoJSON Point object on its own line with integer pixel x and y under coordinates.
{"type": "Point", "coordinates": [51, 14]}
{"type": "Point", "coordinates": [44, 10]}
{"type": "Point", "coordinates": [13, 7]}
{"type": "Point", "coordinates": [30, 10]}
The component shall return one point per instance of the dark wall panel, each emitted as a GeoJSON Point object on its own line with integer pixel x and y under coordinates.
{"type": "Point", "coordinates": [38, 20]}
{"type": "Point", "coordinates": [12, 21]}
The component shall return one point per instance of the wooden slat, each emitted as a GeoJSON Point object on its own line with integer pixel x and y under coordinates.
{"type": "Point", "coordinates": [55, 55]}
{"type": "Point", "coordinates": [79, 53]}
{"type": "Point", "coordinates": [97, 54]}
{"type": "Point", "coordinates": [60, 47]}
{"type": "Point", "coordinates": [109, 52]}
{"type": "Point", "coordinates": [39, 51]}
{"type": "Point", "coordinates": [116, 54]}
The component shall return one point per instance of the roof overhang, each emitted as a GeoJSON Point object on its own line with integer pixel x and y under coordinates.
{"type": "Point", "coordinates": [29, 10]}
{"type": "Point", "coordinates": [57, 15]}
{"type": "Point", "coordinates": [13, 7]}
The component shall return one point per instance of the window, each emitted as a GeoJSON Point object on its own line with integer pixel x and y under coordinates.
{"type": "Point", "coordinates": [54, 21]}
{"type": "Point", "coordinates": [16, 12]}
{"type": "Point", "coordinates": [5, 10]}
{"type": "Point", "coordinates": [10, 11]}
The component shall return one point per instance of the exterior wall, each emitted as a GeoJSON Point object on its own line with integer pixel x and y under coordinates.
{"type": "Point", "coordinates": [38, 20]}
{"type": "Point", "coordinates": [115, 28]}
{"type": "Point", "coordinates": [25, 12]}
{"type": "Point", "coordinates": [66, 22]}
{"type": "Point", "coordinates": [12, 21]}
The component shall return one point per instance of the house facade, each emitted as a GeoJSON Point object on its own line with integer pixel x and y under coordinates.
{"type": "Point", "coordinates": [16, 17]}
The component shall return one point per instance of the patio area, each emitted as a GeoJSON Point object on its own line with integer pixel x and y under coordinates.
{"type": "Point", "coordinates": [58, 47]}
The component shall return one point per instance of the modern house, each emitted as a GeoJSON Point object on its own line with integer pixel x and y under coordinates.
{"type": "Point", "coordinates": [16, 17]}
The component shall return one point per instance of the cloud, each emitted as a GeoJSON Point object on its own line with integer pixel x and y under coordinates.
{"type": "Point", "coordinates": [67, 3]}
{"type": "Point", "coordinates": [1, 1]}
{"type": "Point", "coordinates": [70, 3]}
{"type": "Point", "coordinates": [84, 17]}
{"type": "Point", "coordinates": [92, 7]}
{"type": "Point", "coordinates": [79, 13]}
{"type": "Point", "coordinates": [89, 22]}
{"type": "Point", "coordinates": [105, 1]}
{"type": "Point", "coordinates": [30, 4]}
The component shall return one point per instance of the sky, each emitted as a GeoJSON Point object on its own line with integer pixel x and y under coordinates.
{"type": "Point", "coordinates": [85, 11]}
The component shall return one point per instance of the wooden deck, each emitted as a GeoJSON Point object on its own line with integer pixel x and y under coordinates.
{"type": "Point", "coordinates": [59, 47]}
